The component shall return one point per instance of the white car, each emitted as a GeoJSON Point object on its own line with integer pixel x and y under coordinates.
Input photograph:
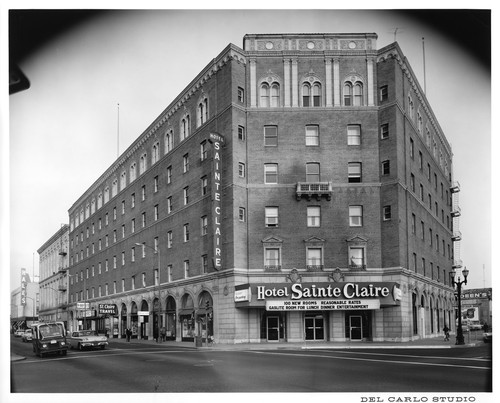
{"type": "Point", "coordinates": [27, 335]}
{"type": "Point", "coordinates": [82, 339]}
{"type": "Point", "coordinates": [19, 333]}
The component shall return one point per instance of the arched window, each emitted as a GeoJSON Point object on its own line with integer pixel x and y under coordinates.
{"type": "Point", "coordinates": [169, 141]}
{"type": "Point", "coordinates": [264, 95]}
{"type": "Point", "coordinates": [156, 153]}
{"type": "Point", "coordinates": [316, 94]}
{"type": "Point", "coordinates": [358, 94]}
{"type": "Point", "coordinates": [143, 163]}
{"type": "Point", "coordinates": [275, 95]}
{"type": "Point", "coordinates": [185, 127]}
{"type": "Point", "coordinates": [306, 95]}
{"type": "Point", "coordinates": [347, 94]}
{"type": "Point", "coordinates": [133, 172]}
{"type": "Point", "coordinates": [202, 112]}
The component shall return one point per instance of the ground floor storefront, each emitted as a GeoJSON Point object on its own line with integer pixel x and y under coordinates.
{"type": "Point", "coordinates": [230, 308]}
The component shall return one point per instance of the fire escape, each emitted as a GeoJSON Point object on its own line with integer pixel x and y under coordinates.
{"type": "Point", "coordinates": [457, 235]}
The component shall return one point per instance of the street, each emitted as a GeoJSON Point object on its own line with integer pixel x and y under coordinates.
{"type": "Point", "coordinates": [144, 368]}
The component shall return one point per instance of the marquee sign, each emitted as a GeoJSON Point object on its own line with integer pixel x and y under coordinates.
{"type": "Point", "coordinates": [217, 141]}
{"type": "Point", "coordinates": [318, 296]}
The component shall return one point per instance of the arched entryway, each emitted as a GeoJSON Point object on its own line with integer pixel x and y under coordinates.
{"type": "Point", "coordinates": [144, 320]}
{"type": "Point", "coordinates": [204, 315]}
{"type": "Point", "coordinates": [123, 320]}
{"type": "Point", "coordinates": [134, 320]}
{"type": "Point", "coordinates": [170, 319]}
{"type": "Point", "coordinates": [186, 317]}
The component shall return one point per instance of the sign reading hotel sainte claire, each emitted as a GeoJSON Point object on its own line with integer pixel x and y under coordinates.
{"type": "Point", "coordinates": [321, 296]}
{"type": "Point", "coordinates": [217, 141]}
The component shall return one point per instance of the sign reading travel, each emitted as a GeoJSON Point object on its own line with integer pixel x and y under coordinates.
{"type": "Point", "coordinates": [108, 309]}
{"type": "Point", "coordinates": [217, 141]}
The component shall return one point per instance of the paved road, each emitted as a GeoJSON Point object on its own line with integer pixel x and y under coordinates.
{"type": "Point", "coordinates": [126, 368]}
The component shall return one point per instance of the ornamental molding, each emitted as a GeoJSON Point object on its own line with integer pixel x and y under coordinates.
{"type": "Point", "coordinates": [337, 276]}
{"type": "Point", "coordinates": [270, 77]}
{"type": "Point", "coordinates": [294, 276]}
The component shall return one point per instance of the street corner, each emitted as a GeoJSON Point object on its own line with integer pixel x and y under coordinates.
{"type": "Point", "coordinates": [15, 357]}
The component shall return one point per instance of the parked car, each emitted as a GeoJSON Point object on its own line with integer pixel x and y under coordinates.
{"type": "Point", "coordinates": [475, 326]}
{"type": "Point", "coordinates": [87, 339]}
{"type": "Point", "coordinates": [19, 333]}
{"type": "Point", "coordinates": [27, 335]}
{"type": "Point", "coordinates": [487, 336]}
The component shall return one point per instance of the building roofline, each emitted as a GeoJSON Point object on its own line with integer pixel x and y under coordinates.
{"type": "Point", "coordinates": [59, 233]}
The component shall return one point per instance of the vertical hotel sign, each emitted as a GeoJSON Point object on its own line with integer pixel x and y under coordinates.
{"type": "Point", "coordinates": [24, 285]}
{"type": "Point", "coordinates": [217, 141]}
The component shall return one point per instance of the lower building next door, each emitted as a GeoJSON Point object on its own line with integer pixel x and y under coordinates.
{"type": "Point", "coordinates": [314, 327]}
{"type": "Point", "coordinates": [356, 327]}
{"type": "Point", "coordinates": [273, 328]}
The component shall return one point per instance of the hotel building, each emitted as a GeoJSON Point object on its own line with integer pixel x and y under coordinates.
{"type": "Point", "coordinates": [299, 188]}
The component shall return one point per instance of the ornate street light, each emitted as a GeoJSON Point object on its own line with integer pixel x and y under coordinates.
{"type": "Point", "coordinates": [458, 283]}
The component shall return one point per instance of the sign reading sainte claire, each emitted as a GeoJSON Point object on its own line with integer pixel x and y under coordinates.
{"type": "Point", "coordinates": [217, 141]}
{"type": "Point", "coordinates": [319, 296]}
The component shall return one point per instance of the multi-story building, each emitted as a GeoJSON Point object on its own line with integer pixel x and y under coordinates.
{"type": "Point", "coordinates": [53, 277]}
{"type": "Point", "coordinates": [298, 188]}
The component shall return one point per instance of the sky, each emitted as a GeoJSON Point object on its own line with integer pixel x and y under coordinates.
{"type": "Point", "coordinates": [67, 128]}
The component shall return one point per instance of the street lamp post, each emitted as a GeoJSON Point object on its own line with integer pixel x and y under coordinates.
{"type": "Point", "coordinates": [157, 251]}
{"type": "Point", "coordinates": [458, 283]}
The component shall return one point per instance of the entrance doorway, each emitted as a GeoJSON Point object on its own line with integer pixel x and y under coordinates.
{"type": "Point", "coordinates": [314, 327]}
{"type": "Point", "coordinates": [273, 328]}
{"type": "Point", "coordinates": [356, 327]}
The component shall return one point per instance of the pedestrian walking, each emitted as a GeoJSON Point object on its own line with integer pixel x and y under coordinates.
{"type": "Point", "coordinates": [163, 333]}
{"type": "Point", "coordinates": [128, 332]}
{"type": "Point", "coordinates": [446, 333]}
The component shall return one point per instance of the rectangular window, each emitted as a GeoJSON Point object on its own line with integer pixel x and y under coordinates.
{"type": "Point", "coordinates": [169, 204]}
{"type": "Point", "coordinates": [386, 167]}
{"type": "Point", "coordinates": [314, 258]}
{"type": "Point", "coordinates": [313, 172]}
{"type": "Point", "coordinates": [169, 273]}
{"type": "Point", "coordinates": [186, 268]}
{"type": "Point", "coordinates": [144, 279]}
{"type": "Point", "coordinates": [157, 280]}
{"type": "Point", "coordinates": [123, 212]}
{"type": "Point", "coordinates": [313, 216]}
{"type": "Point", "coordinates": [143, 192]}
{"type": "Point", "coordinates": [204, 264]}
{"type": "Point", "coordinates": [169, 175]}
{"type": "Point", "coordinates": [203, 151]}
{"type": "Point", "coordinates": [355, 216]}
{"type": "Point", "coordinates": [272, 258]}
{"type": "Point", "coordinates": [169, 239]}
{"type": "Point", "coordinates": [412, 183]}
{"type": "Point", "coordinates": [156, 212]}
{"type": "Point", "coordinates": [156, 183]}
{"type": "Point", "coordinates": [132, 201]}
{"type": "Point", "coordinates": [143, 220]}
{"type": "Point", "coordinates": [413, 224]}
{"type": "Point", "coordinates": [132, 256]}
{"type": "Point", "coordinates": [270, 173]}
{"type": "Point", "coordinates": [386, 213]}
{"type": "Point", "coordinates": [271, 219]}
{"type": "Point", "coordinates": [241, 95]}
{"type": "Point", "coordinates": [356, 257]}
{"type": "Point", "coordinates": [241, 170]}
{"type": "Point", "coordinates": [353, 135]}
{"type": "Point", "coordinates": [312, 136]}
{"type": "Point", "coordinates": [242, 214]}
{"type": "Point", "coordinates": [132, 282]}
{"type": "Point", "coordinates": [241, 133]}
{"type": "Point", "coordinates": [186, 232]}
{"type": "Point", "coordinates": [204, 186]}
{"type": "Point", "coordinates": [132, 227]}
{"type": "Point", "coordinates": [412, 149]}
{"type": "Point", "coordinates": [185, 163]}
{"type": "Point", "coordinates": [354, 172]}
{"type": "Point", "coordinates": [123, 258]}
{"type": "Point", "coordinates": [383, 93]}
{"type": "Point", "coordinates": [186, 195]}
{"type": "Point", "coordinates": [123, 285]}
{"type": "Point", "coordinates": [204, 225]}
{"type": "Point", "coordinates": [270, 136]}
{"type": "Point", "coordinates": [384, 131]}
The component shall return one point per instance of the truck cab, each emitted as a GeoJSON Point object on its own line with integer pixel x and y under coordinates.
{"type": "Point", "coordinates": [49, 338]}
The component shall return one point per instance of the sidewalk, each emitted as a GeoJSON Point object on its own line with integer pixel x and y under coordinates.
{"type": "Point", "coordinates": [435, 342]}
